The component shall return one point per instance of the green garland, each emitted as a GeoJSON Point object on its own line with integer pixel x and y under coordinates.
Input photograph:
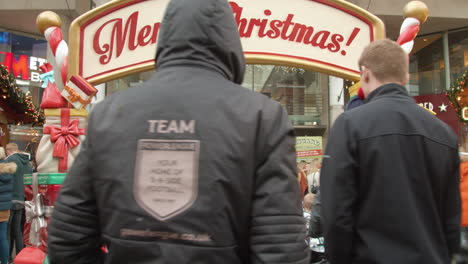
{"type": "Point", "coordinates": [453, 94]}
{"type": "Point", "coordinates": [19, 101]}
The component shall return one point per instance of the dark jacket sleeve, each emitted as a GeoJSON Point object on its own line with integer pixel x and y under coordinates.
{"type": "Point", "coordinates": [315, 224]}
{"type": "Point", "coordinates": [74, 235]}
{"type": "Point", "coordinates": [278, 231]}
{"type": "Point", "coordinates": [339, 192]}
{"type": "Point", "coordinates": [452, 214]}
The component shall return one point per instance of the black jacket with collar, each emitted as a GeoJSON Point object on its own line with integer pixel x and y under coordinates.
{"type": "Point", "coordinates": [390, 184]}
{"type": "Point", "coordinates": [245, 203]}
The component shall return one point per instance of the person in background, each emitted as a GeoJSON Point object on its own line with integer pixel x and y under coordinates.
{"type": "Point", "coordinates": [315, 243]}
{"type": "Point", "coordinates": [15, 227]}
{"type": "Point", "coordinates": [6, 193]}
{"type": "Point", "coordinates": [313, 178]}
{"type": "Point", "coordinates": [390, 176]}
{"type": "Point", "coordinates": [464, 187]}
{"type": "Point", "coordinates": [462, 257]}
{"type": "Point", "coordinates": [302, 178]}
{"type": "Point", "coordinates": [307, 207]}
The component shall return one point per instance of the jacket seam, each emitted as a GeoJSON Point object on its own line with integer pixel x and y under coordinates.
{"type": "Point", "coordinates": [408, 134]}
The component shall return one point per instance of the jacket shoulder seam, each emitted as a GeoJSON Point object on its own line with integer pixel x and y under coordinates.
{"type": "Point", "coordinates": [410, 134]}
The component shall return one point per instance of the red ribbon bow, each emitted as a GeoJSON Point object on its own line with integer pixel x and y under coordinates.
{"type": "Point", "coordinates": [64, 138]}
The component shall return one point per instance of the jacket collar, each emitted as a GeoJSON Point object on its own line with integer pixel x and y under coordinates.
{"type": "Point", "coordinates": [388, 90]}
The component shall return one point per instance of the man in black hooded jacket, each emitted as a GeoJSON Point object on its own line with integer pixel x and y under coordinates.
{"type": "Point", "coordinates": [390, 182]}
{"type": "Point", "coordinates": [189, 167]}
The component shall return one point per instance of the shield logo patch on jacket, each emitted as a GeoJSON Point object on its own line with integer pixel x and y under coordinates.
{"type": "Point", "coordinates": [166, 176]}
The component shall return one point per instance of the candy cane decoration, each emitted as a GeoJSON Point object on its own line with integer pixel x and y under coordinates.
{"type": "Point", "coordinates": [408, 32]}
{"type": "Point", "coordinates": [60, 50]}
{"type": "Point", "coordinates": [49, 24]}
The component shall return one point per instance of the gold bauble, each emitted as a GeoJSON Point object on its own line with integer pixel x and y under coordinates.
{"type": "Point", "coordinates": [47, 19]}
{"type": "Point", "coordinates": [416, 9]}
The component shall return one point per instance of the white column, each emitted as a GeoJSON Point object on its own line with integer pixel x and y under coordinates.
{"type": "Point", "coordinates": [336, 98]}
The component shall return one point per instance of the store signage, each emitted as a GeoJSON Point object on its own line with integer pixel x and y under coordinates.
{"type": "Point", "coordinates": [308, 148]}
{"type": "Point", "coordinates": [26, 68]}
{"type": "Point", "coordinates": [440, 105]}
{"type": "Point", "coordinates": [465, 113]}
{"type": "Point", "coordinates": [121, 37]}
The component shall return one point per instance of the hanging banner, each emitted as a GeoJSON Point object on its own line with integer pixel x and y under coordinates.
{"type": "Point", "coordinates": [120, 37]}
{"type": "Point", "coordinates": [308, 148]}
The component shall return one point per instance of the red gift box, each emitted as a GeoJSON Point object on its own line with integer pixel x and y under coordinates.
{"type": "Point", "coordinates": [48, 187]}
{"type": "Point", "coordinates": [30, 255]}
{"type": "Point", "coordinates": [51, 98]}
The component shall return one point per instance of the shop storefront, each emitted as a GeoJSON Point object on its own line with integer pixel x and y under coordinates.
{"type": "Point", "coordinates": [21, 55]}
{"type": "Point", "coordinates": [436, 62]}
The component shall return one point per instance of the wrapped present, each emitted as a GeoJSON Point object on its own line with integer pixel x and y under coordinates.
{"type": "Point", "coordinates": [41, 191]}
{"type": "Point", "coordinates": [79, 92]}
{"type": "Point", "coordinates": [51, 98]}
{"type": "Point", "coordinates": [64, 130]}
{"type": "Point", "coordinates": [49, 186]}
{"type": "Point", "coordinates": [31, 255]}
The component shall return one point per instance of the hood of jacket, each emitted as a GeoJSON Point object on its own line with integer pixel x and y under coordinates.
{"type": "Point", "coordinates": [201, 33]}
{"type": "Point", "coordinates": [22, 158]}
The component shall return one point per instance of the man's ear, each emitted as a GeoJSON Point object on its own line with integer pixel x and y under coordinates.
{"type": "Point", "coordinates": [364, 74]}
{"type": "Point", "coordinates": [406, 79]}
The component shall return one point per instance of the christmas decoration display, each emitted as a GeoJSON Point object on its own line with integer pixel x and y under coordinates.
{"type": "Point", "coordinates": [31, 255]}
{"type": "Point", "coordinates": [51, 97]}
{"type": "Point", "coordinates": [49, 24]}
{"type": "Point", "coordinates": [41, 190]}
{"type": "Point", "coordinates": [64, 130]}
{"type": "Point", "coordinates": [408, 32]}
{"type": "Point", "coordinates": [79, 92]}
{"type": "Point", "coordinates": [416, 13]}
{"type": "Point", "coordinates": [17, 101]}
{"type": "Point", "coordinates": [458, 95]}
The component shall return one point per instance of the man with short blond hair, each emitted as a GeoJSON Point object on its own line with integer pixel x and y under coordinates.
{"type": "Point", "coordinates": [386, 60]}
{"type": "Point", "coordinates": [11, 148]}
{"type": "Point", "coordinates": [390, 182]}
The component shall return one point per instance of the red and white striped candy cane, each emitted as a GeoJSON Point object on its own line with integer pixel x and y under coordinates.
{"type": "Point", "coordinates": [59, 48]}
{"type": "Point", "coordinates": [408, 32]}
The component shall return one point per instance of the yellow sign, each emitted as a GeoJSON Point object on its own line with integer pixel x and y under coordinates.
{"type": "Point", "coordinates": [308, 148]}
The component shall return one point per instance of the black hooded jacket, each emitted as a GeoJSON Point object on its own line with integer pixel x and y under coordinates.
{"type": "Point", "coordinates": [229, 151]}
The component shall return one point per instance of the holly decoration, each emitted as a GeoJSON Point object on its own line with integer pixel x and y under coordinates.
{"type": "Point", "coordinates": [16, 100]}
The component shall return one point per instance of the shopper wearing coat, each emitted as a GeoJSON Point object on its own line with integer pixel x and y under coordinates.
{"type": "Point", "coordinates": [390, 175]}
{"type": "Point", "coordinates": [189, 167]}
{"type": "Point", "coordinates": [6, 195]}
{"type": "Point", "coordinates": [15, 225]}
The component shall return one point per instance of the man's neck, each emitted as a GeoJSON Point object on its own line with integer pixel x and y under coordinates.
{"type": "Point", "coordinates": [377, 84]}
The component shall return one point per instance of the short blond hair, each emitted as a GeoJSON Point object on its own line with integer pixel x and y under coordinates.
{"type": "Point", "coordinates": [12, 147]}
{"type": "Point", "coordinates": [308, 201]}
{"type": "Point", "coordinates": [2, 153]}
{"type": "Point", "coordinates": [386, 60]}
